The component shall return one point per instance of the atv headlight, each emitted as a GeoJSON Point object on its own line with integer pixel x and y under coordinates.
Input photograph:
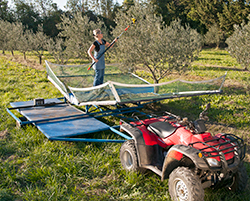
{"type": "Point", "coordinates": [213, 162]}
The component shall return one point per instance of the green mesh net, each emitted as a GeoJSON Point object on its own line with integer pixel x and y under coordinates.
{"type": "Point", "coordinates": [75, 82]}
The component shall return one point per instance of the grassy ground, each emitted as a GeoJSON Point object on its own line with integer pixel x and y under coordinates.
{"type": "Point", "coordinates": [34, 168]}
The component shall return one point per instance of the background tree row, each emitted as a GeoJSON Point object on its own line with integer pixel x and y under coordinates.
{"type": "Point", "coordinates": [150, 44]}
{"type": "Point", "coordinates": [199, 14]}
{"type": "Point", "coordinates": [176, 43]}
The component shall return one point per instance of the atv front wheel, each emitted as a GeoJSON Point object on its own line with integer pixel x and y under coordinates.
{"type": "Point", "coordinates": [128, 156]}
{"type": "Point", "coordinates": [183, 185]}
{"type": "Point", "coordinates": [239, 180]}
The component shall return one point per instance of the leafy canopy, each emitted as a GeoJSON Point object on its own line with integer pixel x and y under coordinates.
{"type": "Point", "coordinates": [238, 44]}
{"type": "Point", "coordinates": [78, 32]}
{"type": "Point", "coordinates": [153, 46]}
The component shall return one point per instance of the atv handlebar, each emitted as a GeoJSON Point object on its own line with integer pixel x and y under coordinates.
{"type": "Point", "coordinates": [193, 126]}
{"type": "Point", "coordinates": [203, 114]}
{"type": "Point", "coordinates": [178, 118]}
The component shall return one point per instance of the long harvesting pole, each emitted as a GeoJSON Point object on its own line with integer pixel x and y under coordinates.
{"type": "Point", "coordinates": [133, 22]}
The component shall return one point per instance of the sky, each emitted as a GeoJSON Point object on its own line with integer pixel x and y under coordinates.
{"type": "Point", "coordinates": [62, 3]}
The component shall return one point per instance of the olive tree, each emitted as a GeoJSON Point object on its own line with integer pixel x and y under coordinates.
{"type": "Point", "coordinates": [5, 27]}
{"type": "Point", "coordinates": [58, 50]}
{"type": "Point", "coordinates": [23, 44]}
{"type": "Point", "coordinates": [153, 46]}
{"type": "Point", "coordinates": [38, 43]}
{"type": "Point", "coordinates": [77, 31]}
{"type": "Point", "coordinates": [238, 44]}
{"type": "Point", "coordinates": [214, 36]}
{"type": "Point", "coordinates": [13, 34]}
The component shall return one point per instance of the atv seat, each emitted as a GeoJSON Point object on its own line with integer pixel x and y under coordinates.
{"type": "Point", "coordinates": [162, 129]}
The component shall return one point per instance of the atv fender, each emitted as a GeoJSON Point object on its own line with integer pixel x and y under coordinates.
{"type": "Point", "coordinates": [147, 154]}
{"type": "Point", "coordinates": [174, 158]}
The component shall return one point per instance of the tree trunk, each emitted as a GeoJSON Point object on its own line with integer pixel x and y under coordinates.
{"type": "Point", "coordinates": [156, 88]}
{"type": "Point", "coordinates": [40, 60]}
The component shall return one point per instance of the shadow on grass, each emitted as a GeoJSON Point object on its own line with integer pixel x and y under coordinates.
{"type": "Point", "coordinates": [6, 195]}
{"type": "Point", "coordinates": [224, 194]}
{"type": "Point", "coordinates": [219, 68]}
{"type": "Point", "coordinates": [223, 107]}
{"type": "Point", "coordinates": [208, 59]}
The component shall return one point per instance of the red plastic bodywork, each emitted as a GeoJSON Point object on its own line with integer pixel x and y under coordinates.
{"type": "Point", "coordinates": [186, 137]}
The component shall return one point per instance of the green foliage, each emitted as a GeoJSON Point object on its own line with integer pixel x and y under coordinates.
{"type": "Point", "coordinates": [23, 44]}
{"type": "Point", "coordinates": [223, 13]}
{"type": "Point", "coordinates": [234, 12]}
{"type": "Point", "coordinates": [44, 7]}
{"type": "Point", "coordinates": [14, 36]}
{"type": "Point", "coordinates": [76, 6]}
{"type": "Point", "coordinates": [127, 4]}
{"type": "Point", "coordinates": [5, 11]}
{"type": "Point", "coordinates": [27, 15]}
{"type": "Point", "coordinates": [200, 14]}
{"type": "Point", "coordinates": [37, 42]}
{"type": "Point", "coordinates": [4, 31]}
{"type": "Point", "coordinates": [206, 11]}
{"type": "Point", "coordinates": [173, 10]}
{"type": "Point", "coordinates": [58, 49]}
{"type": "Point", "coordinates": [79, 33]}
{"type": "Point", "coordinates": [214, 36]}
{"type": "Point", "coordinates": [157, 48]}
{"type": "Point", "coordinates": [238, 44]}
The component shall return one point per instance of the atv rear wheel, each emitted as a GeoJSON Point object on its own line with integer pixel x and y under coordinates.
{"type": "Point", "coordinates": [183, 185]}
{"type": "Point", "coordinates": [239, 180]}
{"type": "Point", "coordinates": [128, 156]}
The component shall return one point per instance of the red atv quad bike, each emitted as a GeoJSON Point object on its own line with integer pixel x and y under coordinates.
{"type": "Point", "coordinates": [183, 152]}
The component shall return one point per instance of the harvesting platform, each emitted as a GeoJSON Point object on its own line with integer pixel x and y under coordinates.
{"type": "Point", "coordinates": [58, 120]}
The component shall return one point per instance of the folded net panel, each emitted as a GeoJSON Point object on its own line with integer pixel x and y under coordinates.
{"type": "Point", "coordinates": [75, 82]}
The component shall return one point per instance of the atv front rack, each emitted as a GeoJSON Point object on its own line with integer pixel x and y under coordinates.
{"type": "Point", "coordinates": [225, 144]}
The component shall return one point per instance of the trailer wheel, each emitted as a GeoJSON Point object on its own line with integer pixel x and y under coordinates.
{"type": "Point", "coordinates": [128, 156]}
{"type": "Point", "coordinates": [239, 180]}
{"type": "Point", "coordinates": [183, 185]}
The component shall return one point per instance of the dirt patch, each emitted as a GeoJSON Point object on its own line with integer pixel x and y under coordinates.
{"type": "Point", "coordinates": [19, 59]}
{"type": "Point", "coordinates": [221, 67]}
{"type": "Point", "coordinates": [3, 134]}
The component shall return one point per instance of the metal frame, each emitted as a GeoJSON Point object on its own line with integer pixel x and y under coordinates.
{"type": "Point", "coordinates": [119, 111]}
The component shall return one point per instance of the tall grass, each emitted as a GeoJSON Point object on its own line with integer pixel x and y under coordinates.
{"type": "Point", "coordinates": [34, 168]}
